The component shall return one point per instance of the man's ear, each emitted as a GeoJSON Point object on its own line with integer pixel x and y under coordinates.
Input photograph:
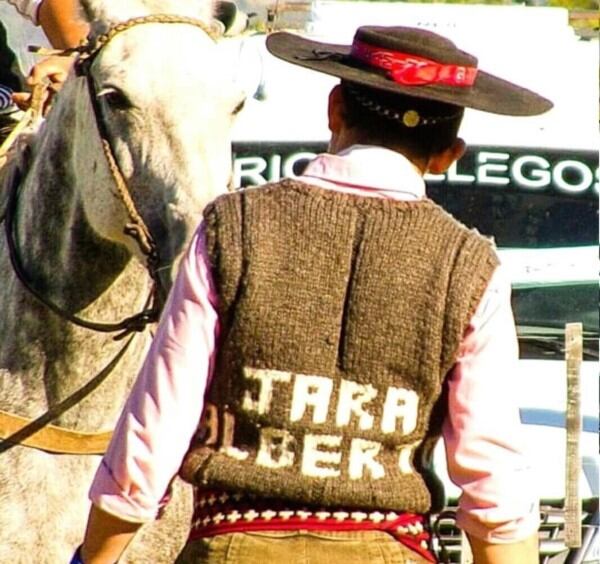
{"type": "Point", "coordinates": [441, 162]}
{"type": "Point", "coordinates": [335, 109]}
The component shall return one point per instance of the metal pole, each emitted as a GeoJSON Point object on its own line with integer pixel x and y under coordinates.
{"type": "Point", "coordinates": [573, 356]}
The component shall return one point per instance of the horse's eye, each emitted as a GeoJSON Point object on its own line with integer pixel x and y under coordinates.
{"type": "Point", "coordinates": [115, 98]}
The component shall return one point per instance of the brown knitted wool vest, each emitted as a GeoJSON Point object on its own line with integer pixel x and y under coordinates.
{"type": "Point", "coordinates": [340, 318]}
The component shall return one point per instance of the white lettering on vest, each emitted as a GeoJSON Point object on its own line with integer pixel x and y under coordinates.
{"type": "Point", "coordinates": [362, 455]}
{"type": "Point", "coordinates": [234, 452]}
{"type": "Point", "coordinates": [223, 422]}
{"type": "Point", "coordinates": [266, 378]}
{"type": "Point", "coordinates": [352, 397]}
{"type": "Point", "coordinates": [312, 391]}
{"type": "Point", "coordinates": [405, 458]}
{"type": "Point", "coordinates": [313, 457]}
{"type": "Point", "coordinates": [400, 404]}
{"type": "Point", "coordinates": [227, 428]}
{"type": "Point", "coordinates": [210, 424]}
{"type": "Point", "coordinates": [275, 450]}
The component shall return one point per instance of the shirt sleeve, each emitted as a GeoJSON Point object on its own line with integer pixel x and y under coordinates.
{"type": "Point", "coordinates": [29, 8]}
{"type": "Point", "coordinates": [163, 410]}
{"type": "Point", "coordinates": [482, 432]}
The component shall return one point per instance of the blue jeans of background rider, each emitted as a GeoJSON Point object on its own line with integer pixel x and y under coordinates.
{"type": "Point", "coordinates": [299, 547]}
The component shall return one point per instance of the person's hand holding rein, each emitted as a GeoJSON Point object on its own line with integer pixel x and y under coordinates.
{"type": "Point", "coordinates": [53, 71]}
{"type": "Point", "coordinates": [64, 29]}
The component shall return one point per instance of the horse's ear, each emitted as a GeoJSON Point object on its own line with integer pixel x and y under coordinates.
{"type": "Point", "coordinates": [97, 14]}
{"type": "Point", "coordinates": [86, 11]}
{"type": "Point", "coordinates": [234, 20]}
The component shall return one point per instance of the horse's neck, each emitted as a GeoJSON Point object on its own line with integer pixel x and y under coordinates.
{"type": "Point", "coordinates": [74, 268]}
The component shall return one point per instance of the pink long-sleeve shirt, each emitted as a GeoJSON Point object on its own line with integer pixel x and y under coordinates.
{"type": "Point", "coordinates": [499, 502]}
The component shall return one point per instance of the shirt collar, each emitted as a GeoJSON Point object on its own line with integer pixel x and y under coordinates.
{"type": "Point", "coordinates": [371, 168]}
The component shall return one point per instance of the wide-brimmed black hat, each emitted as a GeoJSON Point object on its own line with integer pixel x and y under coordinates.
{"type": "Point", "coordinates": [413, 62]}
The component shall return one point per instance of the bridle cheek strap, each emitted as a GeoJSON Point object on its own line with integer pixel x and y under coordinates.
{"type": "Point", "coordinates": [412, 70]}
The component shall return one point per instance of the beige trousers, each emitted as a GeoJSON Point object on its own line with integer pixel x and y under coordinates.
{"type": "Point", "coordinates": [299, 547]}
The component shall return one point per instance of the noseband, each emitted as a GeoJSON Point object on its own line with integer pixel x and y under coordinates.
{"type": "Point", "coordinates": [136, 228]}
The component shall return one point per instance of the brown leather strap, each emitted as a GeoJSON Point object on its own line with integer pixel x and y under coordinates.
{"type": "Point", "coordinates": [54, 439]}
{"type": "Point", "coordinates": [39, 433]}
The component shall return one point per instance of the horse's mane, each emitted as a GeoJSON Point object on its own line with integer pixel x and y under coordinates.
{"type": "Point", "coordinates": [17, 159]}
{"type": "Point", "coordinates": [107, 12]}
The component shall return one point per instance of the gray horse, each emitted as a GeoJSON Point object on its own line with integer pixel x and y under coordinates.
{"type": "Point", "coordinates": [165, 101]}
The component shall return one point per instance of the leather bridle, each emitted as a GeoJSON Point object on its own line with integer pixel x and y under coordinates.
{"type": "Point", "coordinates": [38, 433]}
{"type": "Point", "coordinates": [136, 228]}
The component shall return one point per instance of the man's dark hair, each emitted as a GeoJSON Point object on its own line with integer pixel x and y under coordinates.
{"type": "Point", "coordinates": [388, 119]}
{"type": "Point", "coordinates": [9, 72]}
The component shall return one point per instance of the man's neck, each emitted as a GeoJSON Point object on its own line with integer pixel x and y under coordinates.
{"type": "Point", "coordinates": [337, 145]}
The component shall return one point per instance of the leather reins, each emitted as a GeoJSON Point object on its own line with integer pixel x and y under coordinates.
{"type": "Point", "coordinates": [38, 433]}
{"type": "Point", "coordinates": [136, 228]}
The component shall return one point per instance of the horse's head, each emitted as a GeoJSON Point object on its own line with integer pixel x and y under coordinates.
{"type": "Point", "coordinates": [166, 101]}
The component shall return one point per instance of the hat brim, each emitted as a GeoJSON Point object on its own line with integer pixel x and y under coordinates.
{"type": "Point", "coordinates": [489, 93]}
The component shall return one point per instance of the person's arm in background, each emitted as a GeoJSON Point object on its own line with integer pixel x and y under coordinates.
{"type": "Point", "coordinates": [61, 23]}
{"type": "Point", "coordinates": [161, 415]}
{"type": "Point", "coordinates": [64, 28]}
{"type": "Point", "coordinates": [499, 505]}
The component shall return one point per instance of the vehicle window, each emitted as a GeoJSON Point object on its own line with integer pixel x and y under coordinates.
{"type": "Point", "coordinates": [541, 313]}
